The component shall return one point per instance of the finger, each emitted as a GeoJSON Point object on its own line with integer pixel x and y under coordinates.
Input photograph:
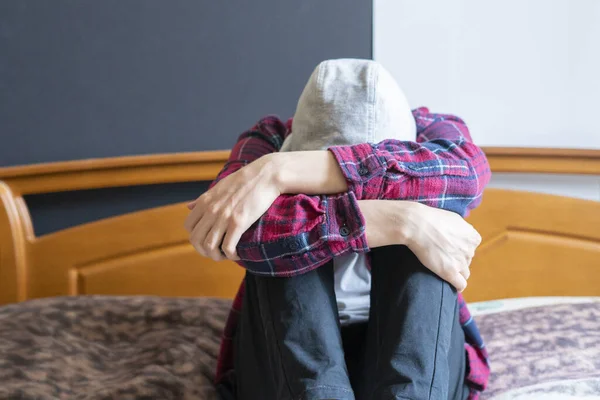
{"type": "Point", "coordinates": [231, 240]}
{"type": "Point", "coordinates": [214, 238]}
{"type": "Point", "coordinates": [191, 205]}
{"type": "Point", "coordinates": [194, 217]}
{"type": "Point", "coordinates": [198, 235]}
{"type": "Point", "coordinates": [459, 282]}
{"type": "Point", "coordinates": [477, 238]}
{"type": "Point", "coordinates": [466, 273]}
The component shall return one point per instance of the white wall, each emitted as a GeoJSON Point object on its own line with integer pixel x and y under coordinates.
{"type": "Point", "coordinates": [520, 72]}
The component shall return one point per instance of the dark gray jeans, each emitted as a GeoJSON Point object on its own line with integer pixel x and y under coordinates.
{"type": "Point", "coordinates": [289, 344]}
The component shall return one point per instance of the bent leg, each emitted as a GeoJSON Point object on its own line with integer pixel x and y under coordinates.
{"type": "Point", "coordinates": [288, 344]}
{"type": "Point", "coordinates": [413, 326]}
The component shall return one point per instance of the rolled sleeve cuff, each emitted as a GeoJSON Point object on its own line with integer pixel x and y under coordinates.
{"type": "Point", "coordinates": [344, 227]}
{"type": "Point", "coordinates": [341, 229]}
{"type": "Point", "coordinates": [360, 164]}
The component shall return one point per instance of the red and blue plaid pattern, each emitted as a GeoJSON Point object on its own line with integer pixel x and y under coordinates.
{"type": "Point", "coordinates": [299, 233]}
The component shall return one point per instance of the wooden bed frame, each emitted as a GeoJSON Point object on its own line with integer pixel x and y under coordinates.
{"type": "Point", "coordinates": [533, 244]}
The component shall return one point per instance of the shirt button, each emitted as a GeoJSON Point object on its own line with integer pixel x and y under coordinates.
{"type": "Point", "coordinates": [293, 245]}
{"type": "Point", "coordinates": [363, 171]}
{"type": "Point", "coordinates": [344, 231]}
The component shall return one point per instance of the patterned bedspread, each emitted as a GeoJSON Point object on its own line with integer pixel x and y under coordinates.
{"type": "Point", "coordinates": [110, 348]}
{"type": "Point", "coordinates": [542, 348]}
{"type": "Point", "coordinates": [164, 348]}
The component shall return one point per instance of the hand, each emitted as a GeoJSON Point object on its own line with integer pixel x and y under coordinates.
{"type": "Point", "coordinates": [220, 216]}
{"type": "Point", "coordinates": [442, 240]}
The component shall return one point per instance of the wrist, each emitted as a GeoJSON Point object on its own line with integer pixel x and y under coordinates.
{"type": "Point", "coordinates": [281, 177]}
{"type": "Point", "coordinates": [406, 221]}
{"type": "Point", "coordinates": [389, 222]}
{"type": "Point", "coordinates": [268, 167]}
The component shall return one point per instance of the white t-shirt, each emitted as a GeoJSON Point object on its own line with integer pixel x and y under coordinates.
{"type": "Point", "coordinates": [352, 287]}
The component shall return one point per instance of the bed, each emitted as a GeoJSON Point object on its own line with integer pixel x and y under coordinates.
{"type": "Point", "coordinates": [117, 309]}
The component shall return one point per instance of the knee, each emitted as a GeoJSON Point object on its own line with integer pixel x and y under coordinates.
{"type": "Point", "coordinates": [318, 278]}
{"type": "Point", "coordinates": [395, 264]}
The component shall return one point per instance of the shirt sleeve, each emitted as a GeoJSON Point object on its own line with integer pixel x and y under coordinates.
{"type": "Point", "coordinates": [265, 137]}
{"type": "Point", "coordinates": [298, 233]}
{"type": "Point", "coordinates": [442, 169]}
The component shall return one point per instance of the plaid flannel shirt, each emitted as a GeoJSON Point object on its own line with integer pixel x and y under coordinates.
{"type": "Point", "coordinates": [299, 233]}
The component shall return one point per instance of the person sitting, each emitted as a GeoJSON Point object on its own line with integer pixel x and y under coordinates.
{"type": "Point", "coordinates": [354, 244]}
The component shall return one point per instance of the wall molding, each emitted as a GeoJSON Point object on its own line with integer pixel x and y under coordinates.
{"type": "Point", "coordinates": [543, 160]}
{"type": "Point", "coordinates": [202, 166]}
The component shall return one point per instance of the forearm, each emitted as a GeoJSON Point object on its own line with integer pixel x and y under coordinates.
{"type": "Point", "coordinates": [388, 222]}
{"type": "Point", "coordinates": [309, 172]}
{"type": "Point", "coordinates": [455, 186]}
{"type": "Point", "coordinates": [442, 240]}
{"type": "Point", "coordinates": [442, 168]}
{"type": "Point", "coordinates": [299, 233]}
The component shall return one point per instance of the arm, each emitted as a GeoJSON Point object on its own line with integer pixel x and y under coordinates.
{"type": "Point", "coordinates": [443, 241]}
{"type": "Point", "coordinates": [292, 233]}
{"type": "Point", "coordinates": [299, 233]}
{"type": "Point", "coordinates": [443, 169]}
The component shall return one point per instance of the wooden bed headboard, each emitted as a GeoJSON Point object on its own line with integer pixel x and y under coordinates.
{"type": "Point", "coordinates": [533, 244]}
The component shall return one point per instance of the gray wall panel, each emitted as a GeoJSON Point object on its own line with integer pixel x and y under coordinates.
{"type": "Point", "coordinates": [82, 79]}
